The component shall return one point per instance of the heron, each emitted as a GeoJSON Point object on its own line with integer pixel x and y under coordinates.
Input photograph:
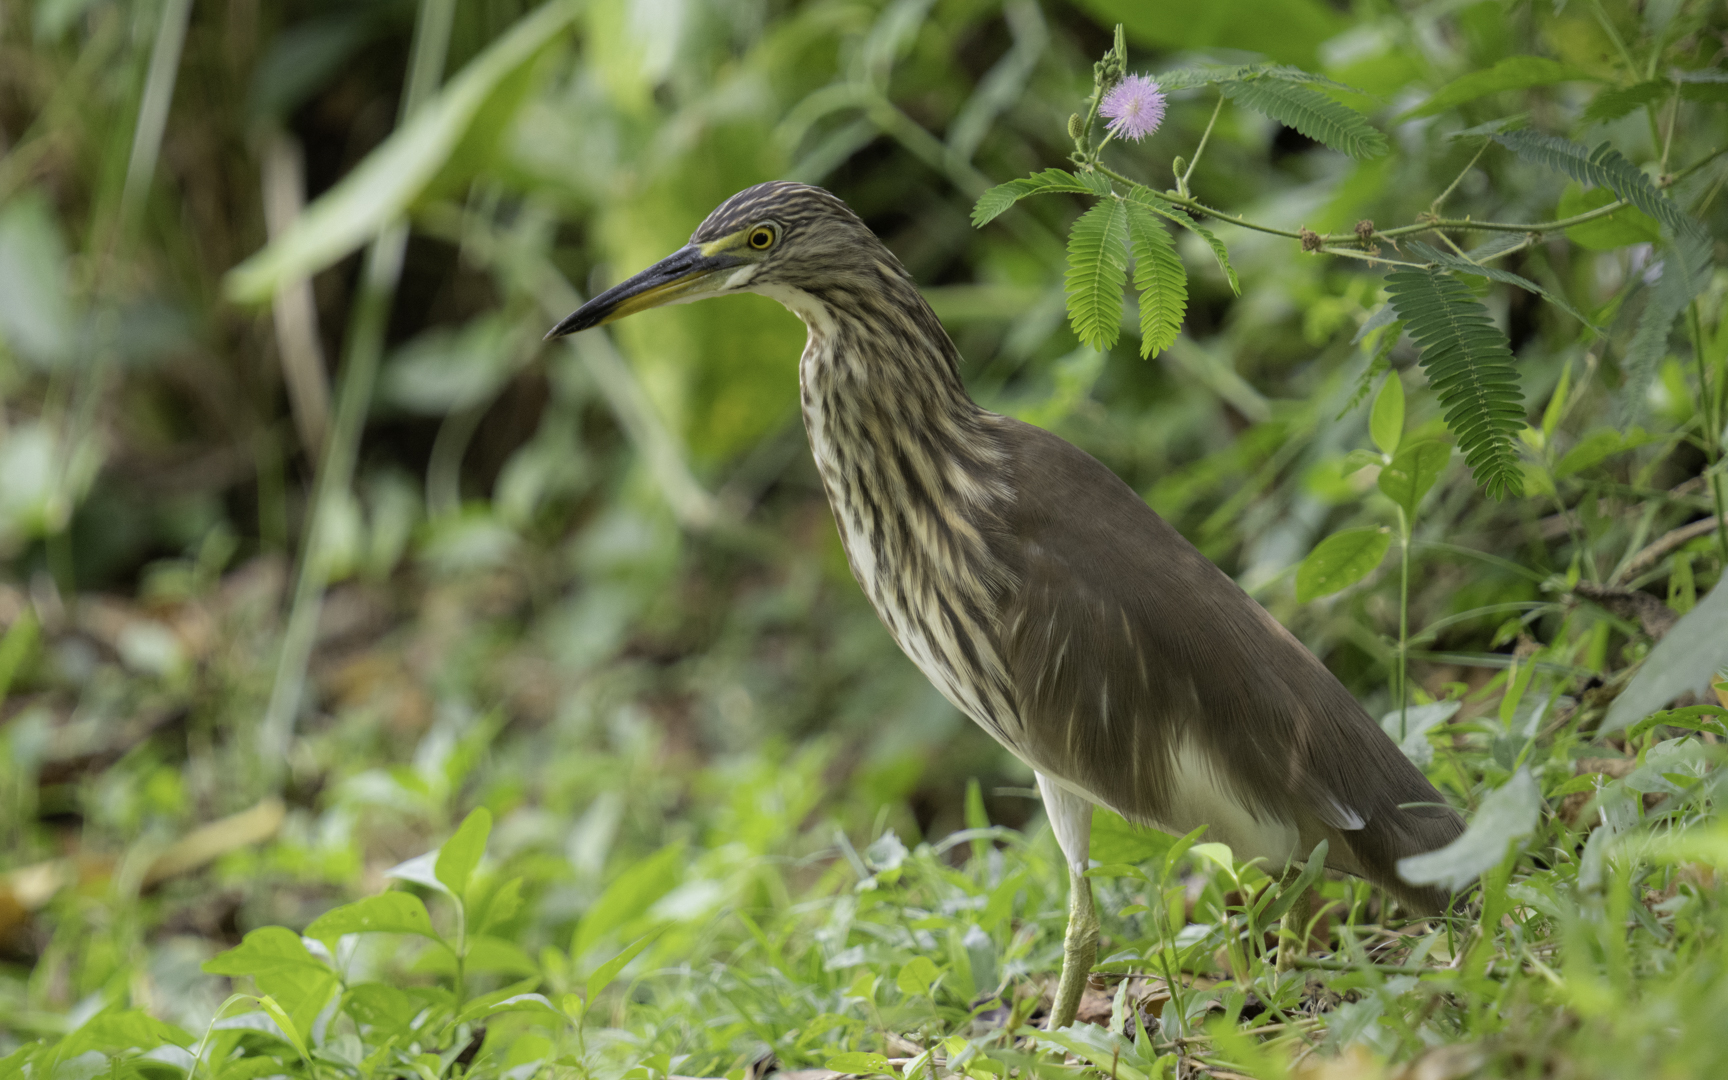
{"type": "Point", "coordinates": [1038, 591]}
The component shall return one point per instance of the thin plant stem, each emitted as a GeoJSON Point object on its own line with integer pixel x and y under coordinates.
{"type": "Point", "coordinates": [365, 347]}
{"type": "Point", "coordinates": [1712, 421]}
{"type": "Point", "coordinates": [1205, 136]}
{"type": "Point", "coordinates": [1188, 202]}
{"type": "Point", "coordinates": [1403, 624]}
{"type": "Point", "coordinates": [1440, 199]}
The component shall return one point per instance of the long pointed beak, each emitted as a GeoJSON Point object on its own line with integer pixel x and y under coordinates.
{"type": "Point", "coordinates": [684, 275]}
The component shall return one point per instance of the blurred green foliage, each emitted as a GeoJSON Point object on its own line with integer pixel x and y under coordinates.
{"type": "Point", "coordinates": [584, 673]}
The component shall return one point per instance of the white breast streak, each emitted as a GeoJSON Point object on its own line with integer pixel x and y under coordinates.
{"type": "Point", "coordinates": [860, 547]}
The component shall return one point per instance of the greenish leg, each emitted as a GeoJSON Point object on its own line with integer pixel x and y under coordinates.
{"type": "Point", "coordinates": [1079, 950]}
{"type": "Point", "coordinates": [1293, 928]}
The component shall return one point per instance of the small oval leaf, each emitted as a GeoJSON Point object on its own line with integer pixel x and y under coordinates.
{"type": "Point", "coordinates": [1413, 472]}
{"type": "Point", "coordinates": [1339, 561]}
{"type": "Point", "coordinates": [1386, 421]}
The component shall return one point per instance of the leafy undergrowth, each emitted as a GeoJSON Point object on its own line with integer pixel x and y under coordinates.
{"type": "Point", "coordinates": [1594, 946]}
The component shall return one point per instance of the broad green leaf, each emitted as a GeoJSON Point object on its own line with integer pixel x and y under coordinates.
{"type": "Point", "coordinates": [1412, 472]}
{"type": "Point", "coordinates": [603, 975]}
{"type": "Point", "coordinates": [1512, 73]}
{"type": "Point", "coordinates": [1592, 448]}
{"type": "Point", "coordinates": [628, 898]}
{"type": "Point", "coordinates": [1601, 167]}
{"type": "Point", "coordinates": [114, 1030]}
{"type": "Point", "coordinates": [1386, 419]}
{"type": "Point", "coordinates": [386, 913]}
{"type": "Point", "coordinates": [1097, 271]}
{"type": "Point", "coordinates": [1627, 225]}
{"type": "Point", "coordinates": [284, 970]}
{"type": "Point", "coordinates": [1507, 814]}
{"type": "Point", "coordinates": [993, 203]}
{"type": "Point", "coordinates": [499, 907]}
{"type": "Point", "coordinates": [1117, 840]}
{"type": "Point", "coordinates": [1340, 561]}
{"type": "Point", "coordinates": [1466, 266]}
{"type": "Point", "coordinates": [1687, 658]}
{"type": "Point", "coordinates": [381, 188]}
{"type": "Point", "coordinates": [387, 1008]}
{"type": "Point", "coordinates": [486, 953]}
{"type": "Point", "coordinates": [1160, 277]}
{"type": "Point", "coordinates": [461, 853]}
{"type": "Point", "coordinates": [917, 976]}
{"type": "Point", "coordinates": [860, 1063]}
{"type": "Point", "coordinates": [1469, 364]}
{"type": "Point", "coordinates": [1310, 112]}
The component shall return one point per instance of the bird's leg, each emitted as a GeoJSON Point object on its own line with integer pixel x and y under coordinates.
{"type": "Point", "coordinates": [1079, 949]}
{"type": "Point", "coordinates": [1071, 820]}
{"type": "Point", "coordinates": [1293, 928]}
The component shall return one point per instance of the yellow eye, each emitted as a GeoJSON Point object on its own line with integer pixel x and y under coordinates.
{"type": "Point", "coordinates": [761, 238]}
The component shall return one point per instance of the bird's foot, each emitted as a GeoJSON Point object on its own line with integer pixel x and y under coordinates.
{"type": "Point", "coordinates": [1079, 950]}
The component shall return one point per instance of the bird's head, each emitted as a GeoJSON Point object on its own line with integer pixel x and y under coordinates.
{"type": "Point", "coordinates": [778, 238]}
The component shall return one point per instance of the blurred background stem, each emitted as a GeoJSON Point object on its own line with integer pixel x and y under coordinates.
{"type": "Point", "coordinates": [366, 330]}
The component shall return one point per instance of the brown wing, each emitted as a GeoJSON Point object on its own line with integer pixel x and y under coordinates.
{"type": "Point", "coordinates": [1125, 646]}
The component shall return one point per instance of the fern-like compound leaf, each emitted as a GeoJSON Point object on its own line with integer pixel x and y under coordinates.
{"type": "Point", "coordinates": [993, 203]}
{"type": "Point", "coordinates": [1469, 364]}
{"type": "Point", "coordinates": [1310, 112]}
{"type": "Point", "coordinates": [1685, 271]}
{"type": "Point", "coordinates": [1170, 212]}
{"type": "Point", "coordinates": [1601, 167]}
{"type": "Point", "coordinates": [1466, 266]}
{"type": "Point", "coordinates": [1097, 270]}
{"type": "Point", "coordinates": [1159, 276]}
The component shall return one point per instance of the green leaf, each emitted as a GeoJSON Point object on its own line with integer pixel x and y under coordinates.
{"type": "Point", "coordinates": [1601, 167]}
{"type": "Point", "coordinates": [628, 898]}
{"type": "Point", "coordinates": [1512, 73]}
{"type": "Point", "coordinates": [381, 188]}
{"type": "Point", "coordinates": [285, 1022]}
{"type": "Point", "coordinates": [386, 913]}
{"type": "Point", "coordinates": [1466, 266]}
{"type": "Point", "coordinates": [1592, 448]}
{"type": "Point", "coordinates": [1627, 225]}
{"type": "Point", "coordinates": [1469, 365]}
{"type": "Point", "coordinates": [1509, 813]}
{"type": "Point", "coordinates": [1097, 270]}
{"type": "Point", "coordinates": [861, 1063]}
{"type": "Point", "coordinates": [280, 964]}
{"type": "Point", "coordinates": [1617, 101]}
{"type": "Point", "coordinates": [461, 853]}
{"type": "Point", "coordinates": [1312, 871]}
{"type": "Point", "coordinates": [604, 974]}
{"type": "Point", "coordinates": [995, 202]}
{"type": "Point", "coordinates": [1687, 658]}
{"type": "Point", "coordinates": [1386, 419]}
{"type": "Point", "coordinates": [1340, 561]}
{"type": "Point", "coordinates": [1413, 472]}
{"type": "Point", "coordinates": [1171, 212]}
{"type": "Point", "coordinates": [1160, 277]}
{"type": "Point", "coordinates": [1117, 840]}
{"type": "Point", "coordinates": [1310, 112]}
{"type": "Point", "coordinates": [1685, 269]}
{"type": "Point", "coordinates": [917, 976]}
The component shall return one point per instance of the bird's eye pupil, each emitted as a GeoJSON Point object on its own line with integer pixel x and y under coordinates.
{"type": "Point", "coordinates": [761, 238]}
